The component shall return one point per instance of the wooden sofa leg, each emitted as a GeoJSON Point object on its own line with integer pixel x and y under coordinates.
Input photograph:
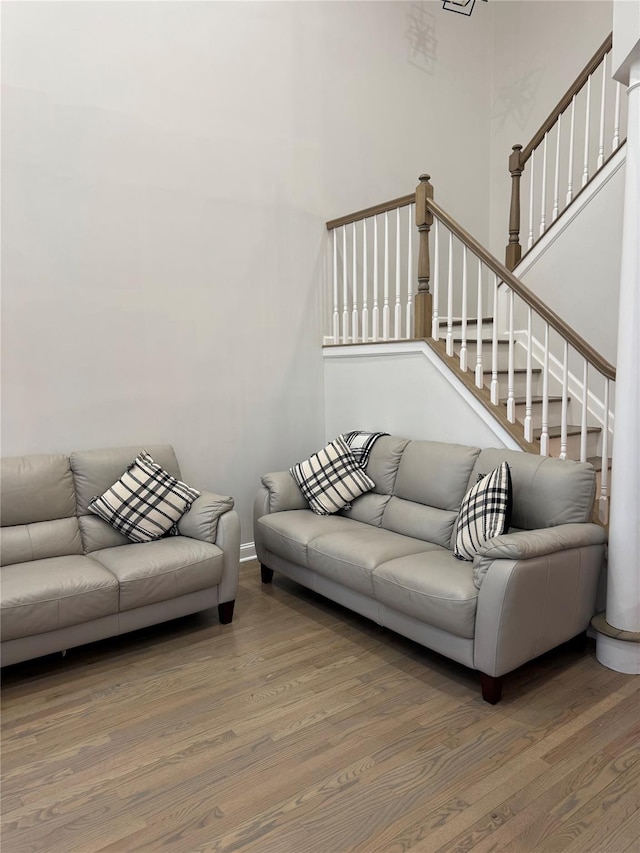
{"type": "Point", "coordinates": [266, 574]}
{"type": "Point", "coordinates": [578, 643]}
{"type": "Point", "coordinates": [491, 687]}
{"type": "Point", "coordinates": [225, 612]}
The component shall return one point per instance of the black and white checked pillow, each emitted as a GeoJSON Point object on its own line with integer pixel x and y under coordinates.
{"type": "Point", "coordinates": [485, 512]}
{"type": "Point", "coordinates": [146, 502]}
{"type": "Point", "coordinates": [331, 478]}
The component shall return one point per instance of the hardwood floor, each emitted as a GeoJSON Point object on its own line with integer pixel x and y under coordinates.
{"type": "Point", "coordinates": [303, 728]}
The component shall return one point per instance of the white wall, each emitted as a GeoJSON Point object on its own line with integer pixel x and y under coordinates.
{"type": "Point", "coordinates": [404, 389]}
{"type": "Point", "coordinates": [167, 171]}
{"type": "Point", "coordinates": [577, 273]}
{"type": "Point", "coordinates": [539, 48]}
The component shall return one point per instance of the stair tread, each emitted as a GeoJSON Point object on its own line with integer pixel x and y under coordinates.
{"type": "Point", "coordinates": [556, 430]}
{"type": "Point", "coordinates": [501, 343]}
{"type": "Point", "coordinates": [522, 401]}
{"type": "Point", "coordinates": [457, 321]}
{"type": "Point", "coordinates": [596, 461]}
{"type": "Point", "coordinates": [505, 371]}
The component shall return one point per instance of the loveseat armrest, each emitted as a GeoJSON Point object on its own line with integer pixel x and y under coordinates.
{"type": "Point", "coordinates": [213, 519]}
{"type": "Point", "coordinates": [283, 492]}
{"type": "Point", "coordinates": [201, 522]}
{"type": "Point", "coordinates": [537, 598]}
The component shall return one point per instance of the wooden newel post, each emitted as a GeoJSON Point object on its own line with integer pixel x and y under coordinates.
{"type": "Point", "coordinates": [514, 250]}
{"type": "Point", "coordinates": [424, 220]}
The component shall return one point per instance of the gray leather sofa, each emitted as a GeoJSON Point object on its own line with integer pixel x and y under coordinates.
{"type": "Point", "coordinates": [389, 557]}
{"type": "Point", "coordinates": [69, 578]}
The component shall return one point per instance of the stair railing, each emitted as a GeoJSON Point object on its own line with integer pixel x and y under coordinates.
{"type": "Point", "coordinates": [525, 358]}
{"type": "Point", "coordinates": [373, 258]}
{"type": "Point", "coordinates": [580, 135]}
{"type": "Point", "coordinates": [516, 354]}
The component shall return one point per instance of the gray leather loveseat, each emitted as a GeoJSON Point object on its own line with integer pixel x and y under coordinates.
{"type": "Point", "coordinates": [69, 578]}
{"type": "Point", "coordinates": [389, 557]}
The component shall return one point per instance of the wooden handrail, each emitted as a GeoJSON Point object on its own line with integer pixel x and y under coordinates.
{"type": "Point", "coordinates": [556, 322]}
{"type": "Point", "coordinates": [566, 99]}
{"type": "Point", "coordinates": [520, 156]}
{"type": "Point", "coordinates": [385, 207]}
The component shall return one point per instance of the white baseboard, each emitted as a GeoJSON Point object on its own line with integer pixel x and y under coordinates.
{"type": "Point", "coordinates": [247, 551]}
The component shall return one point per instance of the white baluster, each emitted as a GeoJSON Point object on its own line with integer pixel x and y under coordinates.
{"type": "Point", "coordinates": [585, 170]}
{"type": "Point", "coordinates": [556, 183]}
{"type": "Point", "coordinates": [450, 299]}
{"type": "Point", "coordinates": [495, 388]}
{"type": "Point", "coordinates": [616, 120]}
{"type": "Point", "coordinates": [336, 315]}
{"type": "Point", "coordinates": [603, 510]}
{"type": "Point", "coordinates": [544, 432]}
{"type": "Point", "coordinates": [375, 316]}
{"type": "Point", "coordinates": [511, 401]}
{"type": "Point", "coordinates": [528, 405]}
{"type": "Point", "coordinates": [583, 421]}
{"type": "Point", "coordinates": [563, 414]}
{"type": "Point", "coordinates": [463, 345]}
{"type": "Point", "coordinates": [354, 285]}
{"type": "Point", "coordinates": [435, 317]}
{"type": "Point", "coordinates": [571, 146]}
{"type": "Point", "coordinates": [602, 111]}
{"type": "Point", "coordinates": [398, 308]}
{"type": "Point", "coordinates": [345, 288]}
{"type": "Point", "coordinates": [410, 273]}
{"type": "Point", "coordinates": [531, 195]}
{"type": "Point", "coordinates": [365, 307]}
{"type": "Point", "coordinates": [479, 334]}
{"type": "Point", "coordinates": [543, 202]}
{"type": "Point", "coordinates": [385, 305]}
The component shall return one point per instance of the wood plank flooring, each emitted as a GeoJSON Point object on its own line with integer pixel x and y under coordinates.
{"type": "Point", "coordinates": [303, 728]}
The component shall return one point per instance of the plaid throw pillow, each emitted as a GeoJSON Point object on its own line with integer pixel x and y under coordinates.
{"type": "Point", "coordinates": [331, 478]}
{"type": "Point", "coordinates": [146, 502]}
{"type": "Point", "coordinates": [485, 512]}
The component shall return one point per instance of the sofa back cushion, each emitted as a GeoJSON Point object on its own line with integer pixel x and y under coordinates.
{"type": "Point", "coordinates": [384, 462]}
{"type": "Point", "coordinates": [94, 472]}
{"type": "Point", "coordinates": [546, 491]}
{"type": "Point", "coordinates": [37, 509]}
{"type": "Point", "coordinates": [430, 484]}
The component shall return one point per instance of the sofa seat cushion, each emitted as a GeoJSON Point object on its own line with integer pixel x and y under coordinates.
{"type": "Point", "coordinates": [289, 533]}
{"type": "Point", "coordinates": [149, 572]}
{"type": "Point", "coordinates": [435, 588]}
{"type": "Point", "coordinates": [350, 556]}
{"type": "Point", "coordinates": [57, 592]}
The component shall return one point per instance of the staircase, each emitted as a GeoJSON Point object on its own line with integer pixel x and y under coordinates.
{"type": "Point", "coordinates": [544, 383]}
{"type": "Point", "coordinates": [554, 402]}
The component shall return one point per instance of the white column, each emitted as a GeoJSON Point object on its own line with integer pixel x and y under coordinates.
{"type": "Point", "coordinates": [619, 652]}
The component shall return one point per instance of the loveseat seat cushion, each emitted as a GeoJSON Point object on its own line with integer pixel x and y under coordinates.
{"type": "Point", "coordinates": [289, 533]}
{"type": "Point", "coordinates": [149, 572]}
{"type": "Point", "coordinates": [58, 592]}
{"type": "Point", "coordinates": [350, 556]}
{"type": "Point", "coordinates": [434, 588]}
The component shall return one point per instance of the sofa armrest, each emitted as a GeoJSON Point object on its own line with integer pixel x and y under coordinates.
{"type": "Point", "coordinates": [228, 539]}
{"type": "Point", "coordinates": [526, 544]}
{"type": "Point", "coordinates": [284, 492]}
{"type": "Point", "coordinates": [530, 605]}
{"type": "Point", "coordinates": [212, 518]}
{"type": "Point", "coordinates": [201, 522]}
{"type": "Point", "coordinates": [278, 492]}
